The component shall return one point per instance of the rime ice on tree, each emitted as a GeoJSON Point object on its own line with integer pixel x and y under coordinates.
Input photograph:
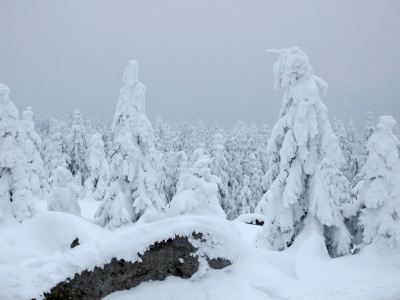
{"type": "Point", "coordinates": [135, 163]}
{"type": "Point", "coordinates": [96, 184]}
{"type": "Point", "coordinates": [77, 148]}
{"type": "Point", "coordinates": [304, 158]}
{"type": "Point", "coordinates": [197, 192]}
{"type": "Point", "coordinates": [15, 192]}
{"type": "Point", "coordinates": [379, 190]}
{"type": "Point", "coordinates": [64, 193]}
{"type": "Point", "coordinates": [32, 146]}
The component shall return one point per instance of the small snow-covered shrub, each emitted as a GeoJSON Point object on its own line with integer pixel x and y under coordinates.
{"type": "Point", "coordinates": [197, 192]}
{"type": "Point", "coordinates": [64, 193]}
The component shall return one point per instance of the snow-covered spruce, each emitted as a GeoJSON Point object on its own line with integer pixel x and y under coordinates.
{"type": "Point", "coordinates": [219, 168]}
{"type": "Point", "coordinates": [304, 179]}
{"type": "Point", "coordinates": [99, 178]}
{"type": "Point", "coordinates": [15, 192]}
{"type": "Point", "coordinates": [197, 192]}
{"type": "Point", "coordinates": [32, 147]}
{"type": "Point", "coordinates": [174, 164]}
{"type": "Point", "coordinates": [77, 148]}
{"type": "Point", "coordinates": [379, 190]}
{"type": "Point", "coordinates": [55, 148]}
{"type": "Point", "coordinates": [135, 162]}
{"type": "Point", "coordinates": [64, 193]}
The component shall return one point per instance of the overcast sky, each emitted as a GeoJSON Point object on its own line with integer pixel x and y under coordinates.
{"type": "Point", "coordinates": [198, 59]}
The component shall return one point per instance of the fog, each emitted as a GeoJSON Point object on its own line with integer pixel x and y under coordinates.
{"type": "Point", "coordinates": [198, 59]}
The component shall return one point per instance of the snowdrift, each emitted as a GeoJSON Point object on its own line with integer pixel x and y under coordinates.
{"type": "Point", "coordinates": [39, 255]}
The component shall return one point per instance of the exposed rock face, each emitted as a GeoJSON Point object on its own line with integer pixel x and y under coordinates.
{"type": "Point", "coordinates": [219, 263]}
{"type": "Point", "coordinates": [172, 257]}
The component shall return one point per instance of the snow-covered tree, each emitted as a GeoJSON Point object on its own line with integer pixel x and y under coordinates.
{"type": "Point", "coordinates": [54, 149]}
{"type": "Point", "coordinates": [32, 147]}
{"type": "Point", "coordinates": [197, 192]}
{"type": "Point", "coordinates": [135, 165]}
{"type": "Point", "coordinates": [97, 182]}
{"type": "Point", "coordinates": [354, 153]}
{"type": "Point", "coordinates": [77, 148]}
{"type": "Point", "coordinates": [64, 193]}
{"type": "Point", "coordinates": [175, 163]}
{"type": "Point", "coordinates": [246, 196]}
{"type": "Point", "coordinates": [379, 190]}
{"type": "Point", "coordinates": [369, 126]}
{"type": "Point", "coordinates": [253, 168]}
{"type": "Point", "coordinates": [220, 169]}
{"type": "Point", "coordinates": [15, 192]}
{"type": "Point", "coordinates": [304, 179]}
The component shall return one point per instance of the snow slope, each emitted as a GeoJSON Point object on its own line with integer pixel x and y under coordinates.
{"type": "Point", "coordinates": [35, 255]}
{"type": "Point", "coordinates": [304, 271]}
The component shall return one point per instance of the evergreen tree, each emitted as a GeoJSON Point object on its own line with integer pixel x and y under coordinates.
{"type": "Point", "coordinates": [32, 146]}
{"type": "Point", "coordinates": [197, 192]}
{"type": "Point", "coordinates": [355, 153]}
{"type": "Point", "coordinates": [99, 178]}
{"type": "Point", "coordinates": [378, 192]}
{"type": "Point", "coordinates": [15, 192]}
{"type": "Point", "coordinates": [304, 179]}
{"type": "Point", "coordinates": [369, 126]}
{"type": "Point", "coordinates": [64, 193]}
{"type": "Point", "coordinates": [77, 148]}
{"type": "Point", "coordinates": [246, 197]}
{"type": "Point", "coordinates": [135, 162]}
{"type": "Point", "coordinates": [220, 169]}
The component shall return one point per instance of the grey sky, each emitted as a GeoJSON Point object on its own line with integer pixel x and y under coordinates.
{"type": "Point", "coordinates": [198, 59]}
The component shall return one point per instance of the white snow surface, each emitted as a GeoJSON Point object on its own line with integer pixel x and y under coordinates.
{"type": "Point", "coordinates": [35, 255]}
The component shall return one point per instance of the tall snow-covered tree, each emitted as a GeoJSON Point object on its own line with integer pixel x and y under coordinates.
{"type": "Point", "coordinates": [135, 163]}
{"type": "Point", "coordinates": [99, 171]}
{"type": "Point", "coordinates": [77, 147]}
{"type": "Point", "coordinates": [32, 147]}
{"type": "Point", "coordinates": [15, 192]}
{"type": "Point", "coordinates": [304, 179]}
{"type": "Point", "coordinates": [378, 192]}
{"type": "Point", "coordinates": [197, 192]}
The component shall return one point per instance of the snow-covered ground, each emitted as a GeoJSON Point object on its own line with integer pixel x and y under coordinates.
{"type": "Point", "coordinates": [35, 255]}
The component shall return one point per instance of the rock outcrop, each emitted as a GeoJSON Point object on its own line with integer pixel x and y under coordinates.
{"type": "Point", "coordinates": [175, 256]}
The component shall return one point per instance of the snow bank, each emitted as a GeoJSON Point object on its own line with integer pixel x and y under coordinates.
{"type": "Point", "coordinates": [49, 260]}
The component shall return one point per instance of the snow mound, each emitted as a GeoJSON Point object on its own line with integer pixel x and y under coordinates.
{"type": "Point", "coordinates": [50, 260]}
